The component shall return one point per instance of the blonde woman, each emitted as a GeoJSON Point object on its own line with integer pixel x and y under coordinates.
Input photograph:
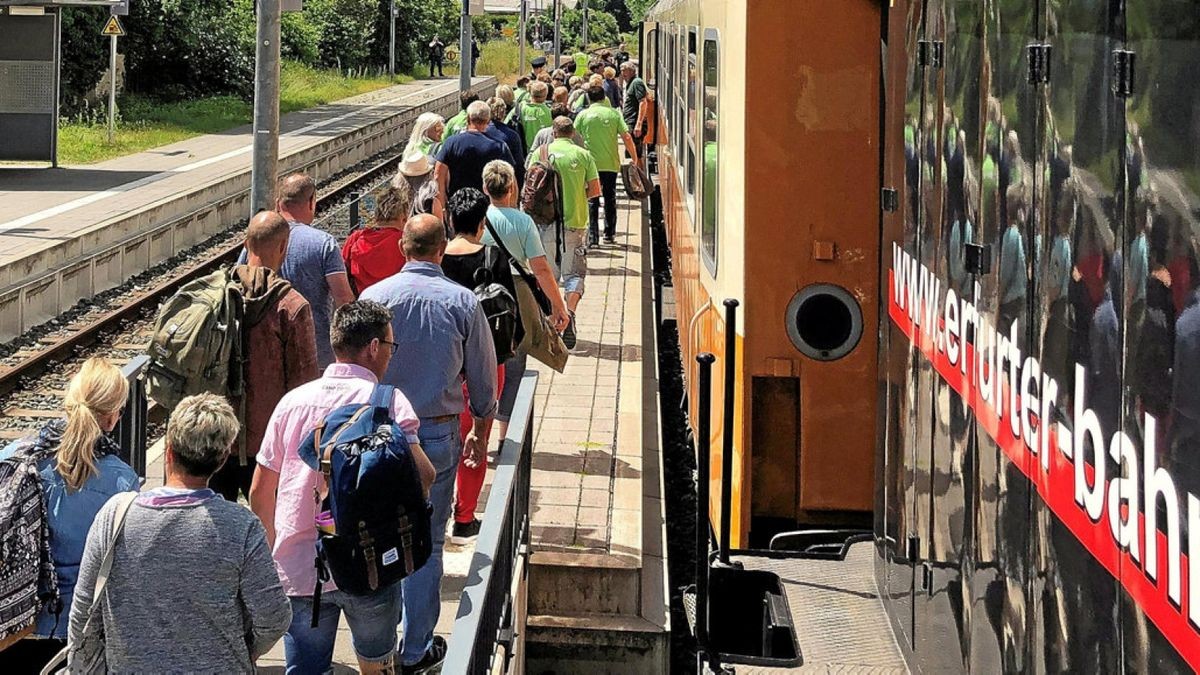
{"type": "Point", "coordinates": [373, 254]}
{"type": "Point", "coordinates": [426, 134]}
{"type": "Point", "coordinates": [79, 469]}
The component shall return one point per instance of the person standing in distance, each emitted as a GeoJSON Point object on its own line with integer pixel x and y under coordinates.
{"type": "Point", "coordinates": [437, 54]}
{"type": "Point", "coordinates": [635, 92]}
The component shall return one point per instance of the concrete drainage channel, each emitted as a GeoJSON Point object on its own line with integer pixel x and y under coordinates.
{"type": "Point", "coordinates": [41, 286]}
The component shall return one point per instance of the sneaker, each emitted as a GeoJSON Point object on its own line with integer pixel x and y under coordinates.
{"type": "Point", "coordinates": [434, 656]}
{"type": "Point", "coordinates": [610, 239]}
{"type": "Point", "coordinates": [568, 336]}
{"type": "Point", "coordinates": [464, 533]}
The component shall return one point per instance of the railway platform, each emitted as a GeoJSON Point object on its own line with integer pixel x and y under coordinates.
{"type": "Point", "coordinates": [71, 232]}
{"type": "Point", "coordinates": [597, 597]}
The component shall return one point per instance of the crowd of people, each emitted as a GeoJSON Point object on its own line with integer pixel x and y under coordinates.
{"type": "Point", "coordinates": [183, 578]}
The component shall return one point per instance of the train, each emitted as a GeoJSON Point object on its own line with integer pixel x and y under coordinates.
{"type": "Point", "coordinates": [965, 237]}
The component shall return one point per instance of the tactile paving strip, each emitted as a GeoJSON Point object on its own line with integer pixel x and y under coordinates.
{"type": "Point", "coordinates": [840, 621]}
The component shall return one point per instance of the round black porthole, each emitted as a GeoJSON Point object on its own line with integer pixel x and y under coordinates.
{"type": "Point", "coordinates": [824, 322]}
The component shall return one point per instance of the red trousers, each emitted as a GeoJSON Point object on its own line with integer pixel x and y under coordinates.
{"type": "Point", "coordinates": [469, 481]}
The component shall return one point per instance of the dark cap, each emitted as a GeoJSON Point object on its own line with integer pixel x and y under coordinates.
{"type": "Point", "coordinates": [539, 62]}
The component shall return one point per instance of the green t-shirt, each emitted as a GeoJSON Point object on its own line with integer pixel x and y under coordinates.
{"type": "Point", "coordinates": [455, 124]}
{"type": "Point", "coordinates": [575, 168]}
{"type": "Point", "coordinates": [601, 125]}
{"type": "Point", "coordinates": [534, 117]}
{"type": "Point", "coordinates": [581, 63]}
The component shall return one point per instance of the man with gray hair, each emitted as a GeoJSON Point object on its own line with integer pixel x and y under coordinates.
{"type": "Point", "coordinates": [501, 131]}
{"type": "Point", "coordinates": [534, 115]}
{"type": "Point", "coordinates": [461, 158]}
{"type": "Point", "coordinates": [204, 554]}
{"type": "Point", "coordinates": [445, 337]}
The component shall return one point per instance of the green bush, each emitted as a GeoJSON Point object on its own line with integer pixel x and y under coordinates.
{"type": "Point", "coordinates": [183, 48]}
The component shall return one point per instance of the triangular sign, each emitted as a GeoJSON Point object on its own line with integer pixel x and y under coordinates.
{"type": "Point", "coordinates": [113, 27]}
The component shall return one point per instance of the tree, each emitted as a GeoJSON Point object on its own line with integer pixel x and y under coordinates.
{"type": "Point", "coordinates": [84, 55]}
{"type": "Point", "coordinates": [183, 48]}
{"type": "Point", "coordinates": [602, 28]}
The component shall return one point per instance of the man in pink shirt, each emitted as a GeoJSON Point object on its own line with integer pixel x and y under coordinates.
{"type": "Point", "coordinates": [283, 496]}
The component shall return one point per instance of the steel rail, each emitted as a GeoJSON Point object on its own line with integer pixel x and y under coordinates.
{"type": "Point", "coordinates": [59, 350]}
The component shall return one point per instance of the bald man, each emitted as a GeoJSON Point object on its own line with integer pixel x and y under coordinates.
{"type": "Point", "coordinates": [280, 350]}
{"type": "Point", "coordinates": [440, 333]}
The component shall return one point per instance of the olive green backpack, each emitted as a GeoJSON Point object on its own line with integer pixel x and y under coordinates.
{"type": "Point", "coordinates": [197, 341]}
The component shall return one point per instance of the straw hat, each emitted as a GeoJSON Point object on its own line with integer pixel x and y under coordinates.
{"type": "Point", "coordinates": [415, 163]}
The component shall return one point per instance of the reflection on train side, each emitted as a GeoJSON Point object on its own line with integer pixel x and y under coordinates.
{"type": "Point", "coordinates": [1051, 446]}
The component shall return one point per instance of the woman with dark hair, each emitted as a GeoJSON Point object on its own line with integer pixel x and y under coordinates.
{"type": "Point", "coordinates": [469, 262]}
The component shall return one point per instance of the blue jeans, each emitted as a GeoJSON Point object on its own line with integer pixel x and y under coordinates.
{"type": "Point", "coordinates": [372, 620]}
{"type": "Point", "coordinates": [443, 446]}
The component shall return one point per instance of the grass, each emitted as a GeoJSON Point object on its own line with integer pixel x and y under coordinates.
{"type": "Point", "coordinates": [502, 59]}
{"type": "Point", "coordinates": [144, 123]}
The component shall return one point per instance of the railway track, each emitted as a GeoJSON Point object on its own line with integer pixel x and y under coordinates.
{"type": "Point", "coordinates": [36, 367]}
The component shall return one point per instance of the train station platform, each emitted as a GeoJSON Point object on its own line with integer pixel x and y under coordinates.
{"type": "Point", "coordinates": [68, 233]}
{"type": "Point", "coordinates": [597, 581]}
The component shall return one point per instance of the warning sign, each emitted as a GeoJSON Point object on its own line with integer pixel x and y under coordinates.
{"type": "Point", "coordinates": [113, 27]}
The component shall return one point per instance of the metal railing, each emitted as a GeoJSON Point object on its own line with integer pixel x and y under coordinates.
{"type": "Point", "coordinates": [131, 430]}
{"type": "Point", "coordinates": [489, 628]}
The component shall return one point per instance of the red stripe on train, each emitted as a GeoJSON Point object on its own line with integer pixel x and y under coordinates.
{"type": "Point", "coordinates": [1057, 490]}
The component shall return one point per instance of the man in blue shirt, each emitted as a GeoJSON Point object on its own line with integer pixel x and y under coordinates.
{"type": "Point", "coordinates": [461, 159]}
{"type": "Point", "coordinates": [313, 263]}
{"type": "Point", "coordinates": [500, 131]}
{"type": "Point", "coordinates": [440, 333]}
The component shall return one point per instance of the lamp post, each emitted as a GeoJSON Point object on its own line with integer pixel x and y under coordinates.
{"type": "Point", "coordinates": [557, 33]}
{"type": "Point", "coordinates": [464, 48]}
{"type": "Point", "coordinates": [266, 106]}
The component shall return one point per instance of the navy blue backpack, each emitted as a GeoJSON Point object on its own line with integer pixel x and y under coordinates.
{"type": "Point", "coordinates": [375, 523]}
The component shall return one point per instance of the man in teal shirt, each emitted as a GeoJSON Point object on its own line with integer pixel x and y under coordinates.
{"type": "Point", "coordinates": [459, 122]}
{"type": "Point", "coordinates": [601, 125]}
{"type": "Point", "coordinates": [577, 172]}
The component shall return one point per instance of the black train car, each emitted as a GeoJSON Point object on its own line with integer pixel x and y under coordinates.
{"type": "Point", "coordinates": [1040, 366]}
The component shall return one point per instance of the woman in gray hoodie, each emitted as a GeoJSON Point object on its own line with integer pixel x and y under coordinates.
{"type": "Point", "coordinates": [192, 586]}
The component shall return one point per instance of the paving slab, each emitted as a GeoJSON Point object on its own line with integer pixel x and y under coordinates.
{"type": "Point", "coordinates": [40, 205]}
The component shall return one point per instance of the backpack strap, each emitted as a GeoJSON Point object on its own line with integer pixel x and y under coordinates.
{"type": "Point", "coordinates": [527, 276]}
{"type": "Point", "coordinates": [383, 395]}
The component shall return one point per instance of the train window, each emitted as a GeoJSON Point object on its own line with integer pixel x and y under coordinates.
{"type": "Point", "coordinates": [680, 74]}
{"type": "Point", "coordinates": [668, 92]}
{"type": "Point", "coordinates": [709, 151]}
{"type": "Point", "coordinates": [692, 76]}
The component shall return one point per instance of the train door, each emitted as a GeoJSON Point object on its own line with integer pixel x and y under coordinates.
{"type": "Point", "coordinates": [1160, 320]}
{"type": "Point", "coordinates": [902, 533]}
{"type": "Point", "coordinates": [934, 125]}
{"type": "Point", "coordinates": [945, 618]}
{"type": "Point", "coordinates": [999, 576]}
{"type": "Point", "coordinates": [1073, 615]}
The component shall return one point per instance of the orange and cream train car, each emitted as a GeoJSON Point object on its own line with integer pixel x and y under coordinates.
{"type": "Point", "coordinates": [768, 146]}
